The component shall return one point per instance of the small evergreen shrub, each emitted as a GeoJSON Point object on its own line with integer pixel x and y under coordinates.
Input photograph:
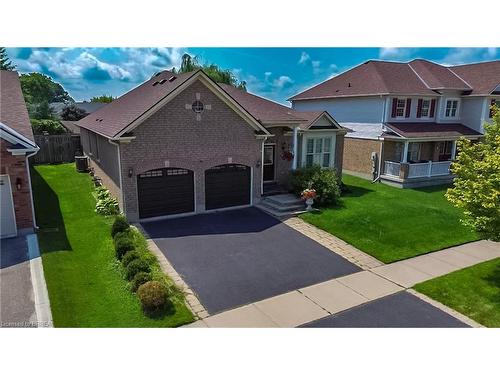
{"type": "Point", "coordinates": [123, 246]}
{"type": "Point", "coordinates": [139, 279]}
{"type": "Point", "coordinates": [323, 180]}
{"type": "Point", "coordinates": [119, 225]}
{"type": "Point", "coordinates": [129, 257]}
{"type": "Point", "coordinates": [136, 266]}
{"type": "Point", "coordinates": [120, 235]}
{"type": "Point", "coordinates": [153, 296]}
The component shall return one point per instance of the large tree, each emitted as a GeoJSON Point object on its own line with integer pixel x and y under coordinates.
{"type": "Point", "coordinates": [189, 63]}
{"type": "Point", "coordinates": [476, 187]}
{"type": "Point", "coordinates": [102, 99]}
{"type": "Point", "coordinates": [72, 113]}
{"type": "Point", "coordinates": [5, 63]}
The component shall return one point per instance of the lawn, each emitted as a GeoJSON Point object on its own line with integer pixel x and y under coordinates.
{"type": "Point", "coordinates": [391, 223]}
{"type": "Point", "coordinates": [473, 291]}
{"type": "Point", "coordinates": [84, 280]}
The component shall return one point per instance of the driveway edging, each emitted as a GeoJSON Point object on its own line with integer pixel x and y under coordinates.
{"type": "Point", "coordinates": [193, 303]}
{"type": "Point", "coordinates": [40, 292]}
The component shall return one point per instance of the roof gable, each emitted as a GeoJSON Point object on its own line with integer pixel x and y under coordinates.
{"type": "Point", "coordinates": [483, 77]}
{"type": "Point", "coordinates": [436, 76]}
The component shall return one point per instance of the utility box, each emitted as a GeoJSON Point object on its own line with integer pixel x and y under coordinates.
{"type": "Point", "coordinates": [82, 163]}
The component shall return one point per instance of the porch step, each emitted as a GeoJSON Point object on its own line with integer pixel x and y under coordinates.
{"type": "Point", "coordinates": [282, 205]}
{"type": "Point", "coordinates": [273, 189]}
{"type": "Point", "coordinates": [284, 200]}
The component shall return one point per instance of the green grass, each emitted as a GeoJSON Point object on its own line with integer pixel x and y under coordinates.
{"type": "Point", "coordinates": [85, 281]}
{"type": "Point", "coordinates": [391, 223]}
{"type": "Point", "coordinates": [473, 291]}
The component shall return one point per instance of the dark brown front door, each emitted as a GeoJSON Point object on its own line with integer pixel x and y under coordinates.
{"type": "Point", "coordinates": [165, 191]}
{"type": "Point", "coordinates": [227, 185]}
{"type": "Point", "coordinates": [269, 151]}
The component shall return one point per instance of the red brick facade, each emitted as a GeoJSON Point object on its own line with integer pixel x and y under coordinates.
{"type": "Point", "coordinates": [15, 167]}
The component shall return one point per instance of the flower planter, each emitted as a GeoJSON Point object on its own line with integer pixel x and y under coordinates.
{"type": "Point", "coordinates": [309, 203]}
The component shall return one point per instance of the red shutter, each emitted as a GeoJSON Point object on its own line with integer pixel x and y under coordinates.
{"type": "Point", "coordinates": [433, 107]}
{"type": "Point", "coordinates": [419, 108]}
{"type": "Point", "coordinates": [493, 102]}
{"type": "Point", "coordinates": [394, 106]}
{"type": "Point", "coordinates": [408, 107]}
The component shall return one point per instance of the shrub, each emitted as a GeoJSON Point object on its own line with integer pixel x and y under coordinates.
{"type": "Point", "coordinates": [119, 225]}
{"type": "Point", "coordinates": [153, 296]}
{"type": "Point", "coordinates": [136, 266]}
{"type": "Point", "coordinates": [129, 257]}
{"type": "Point", "coordinates": [47, 126]}
{"type": "Point", "coordinates": [120, 235]}
{"type": "Point", "coordinates": [123, 246]}
{"type": "Point", "coordinates": [139, 279]}
{"type": "Point", "coordinates": [106, 204]}
{"type": "Point", "coordinates": [324, 181]}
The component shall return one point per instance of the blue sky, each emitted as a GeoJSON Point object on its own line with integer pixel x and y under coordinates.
{"type": "Point", "coordinates": [276, 73]}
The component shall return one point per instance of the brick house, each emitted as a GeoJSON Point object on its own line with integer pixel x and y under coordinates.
{"type": "Point", "coordinates": [182, 144]}
{"type": "Point", "coordinates": [16, 146]}
{"type": "Point", "coordinates": [403, 119]}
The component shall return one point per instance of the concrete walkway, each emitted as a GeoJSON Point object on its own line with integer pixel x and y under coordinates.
{"type": "Point", "coordinates": [308, 304]}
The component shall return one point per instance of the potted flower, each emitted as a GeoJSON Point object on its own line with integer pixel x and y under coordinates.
{"type": "Point", "coordinates": [308, 195]}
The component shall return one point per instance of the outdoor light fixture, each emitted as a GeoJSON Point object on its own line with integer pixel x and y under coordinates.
{"type": "Point", "coordinates": [19, 183]}
{"type": "Point", "coordinates": [130, 172]}
{"type": "Point", "coordinates": [258, 164]}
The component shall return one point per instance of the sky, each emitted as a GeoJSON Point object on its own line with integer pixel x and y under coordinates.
{"type": "Point", "coordinates": [275, 73]}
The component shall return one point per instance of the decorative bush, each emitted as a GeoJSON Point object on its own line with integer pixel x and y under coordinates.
{"type": "Point", "coordinates": [129, 257]}
{"type": "Point", "coordinates": [153, 296]}
{"type": "Point", "coordinates": [106, 204]}
{"type": "Point", "coordinates": [120, 235]}
{"type": "Point", "coordinates": [323, 180]}
{"type": "Point", "coordinates": [119, 225]}
{"type": "Point", "coordinates": [139, 279]}
{"type": "Point", "coordinates": [123, 246]}
{"type": "Point", "coordinates": [136, 266]}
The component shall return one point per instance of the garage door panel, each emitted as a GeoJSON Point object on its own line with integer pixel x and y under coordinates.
{"type": "Point", "coordinates": [165, 191]}
{"type": "Point", "coordinates": [227, 185]}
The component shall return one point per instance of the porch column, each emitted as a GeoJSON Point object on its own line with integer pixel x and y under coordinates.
{"type": "Point", "coordinates": [453, 150]}
{"type": "Point", "coordinates": [405, 152]}
{"type": "Point", "coordinates": [295, 148]}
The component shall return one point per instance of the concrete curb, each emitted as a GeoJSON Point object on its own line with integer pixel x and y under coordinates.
{"type": "Point", "coordinates": [40, 292]}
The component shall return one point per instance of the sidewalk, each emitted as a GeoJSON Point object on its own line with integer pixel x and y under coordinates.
{"type": "Point", "coordinates": [321, 300]}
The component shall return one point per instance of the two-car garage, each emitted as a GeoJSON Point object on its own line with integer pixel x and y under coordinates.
{"type": "Point", "coordinates": [171, 191]}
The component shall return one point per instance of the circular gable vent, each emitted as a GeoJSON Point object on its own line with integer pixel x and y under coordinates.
{"type": "Point", "coordinates": [197, 107]}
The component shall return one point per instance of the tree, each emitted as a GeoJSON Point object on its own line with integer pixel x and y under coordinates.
{"type": "Point", "coordinates": [41, 111]}
{"type": "Point", "coordinates": [39, 89]}
{"type": "Point", "coordinates": [72, 113]}
{"type": "Point", "coordinates": [5, 63]}
{"type": "Point", "coordinates": [47, 127]}
{"type": "Point", "coordinates": [476, 187]}
{"type": "Point", "coordinates": [189, 64]}
{"type": "Point", "coordinates": [102, 99]}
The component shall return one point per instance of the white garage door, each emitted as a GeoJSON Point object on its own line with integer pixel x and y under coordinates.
{"type": "Point", "coordinates": [7, 216]}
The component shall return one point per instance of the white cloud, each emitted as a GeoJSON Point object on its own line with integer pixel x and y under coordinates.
{"type": "Point", "coordinates": [281, 82]}
{"type": "Point", "coordinates": [316, 67]}
{"type": "Point", "coordinates": [396, 53]}
{"type": "Point", "coordinates": [469, 55]}
{"type": "Point", "coordinates": [304, 57]}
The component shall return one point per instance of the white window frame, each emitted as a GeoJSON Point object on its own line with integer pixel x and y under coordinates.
{"type": "Point", "coordinates": [446, 107]}
{"type": "Point", "coordinates": [416, 149]}
{"type": "Point", "coordinates": [428, 108]}
{"type": "Point", "coordinates": [405, 100]}
{"type": "Point", "coordinates": [315, 139]}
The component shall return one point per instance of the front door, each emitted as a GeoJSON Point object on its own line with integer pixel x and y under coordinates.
{"type": "Point", "coordinates": [269, 151]}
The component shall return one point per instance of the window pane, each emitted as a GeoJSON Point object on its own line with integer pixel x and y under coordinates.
{"type": "Point", "coordinates": [309, 160]}
{"type": "Point", "coordinates": [326, 160]}
{"type": "Point", "coordinates": [326, 145]}
{"type": "Point", "coordinates": [310, 146]}
{"type": "Point", "coordinates": [319, 145]}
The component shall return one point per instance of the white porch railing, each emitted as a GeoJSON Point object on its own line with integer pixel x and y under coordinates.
{"type": "Point", "coordinates": [429, 169]}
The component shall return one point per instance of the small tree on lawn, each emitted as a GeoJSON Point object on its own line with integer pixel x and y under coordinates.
{"type": "Point", "coordinates": [476, 188]}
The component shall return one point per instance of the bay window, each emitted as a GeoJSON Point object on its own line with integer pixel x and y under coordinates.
{"type": "Point", "coordinates": [318, 151]}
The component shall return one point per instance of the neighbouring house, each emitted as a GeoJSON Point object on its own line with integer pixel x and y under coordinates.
{"type": "Point", "coordinates": [88, 107]}
{"type": "Point", "coordinates": [183, 144]}
{"type": "Point", "coordinates": [403, 119]}
{"type": "Point", "coordinates": [17, 145]}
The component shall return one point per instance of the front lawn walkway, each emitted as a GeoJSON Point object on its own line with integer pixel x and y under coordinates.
{"type": "Point", "coordinates": [473, 291]}
{"type": "Point", "coordinates": [84, 280]}
{"type": "Point", "coordinates": [390, 223]}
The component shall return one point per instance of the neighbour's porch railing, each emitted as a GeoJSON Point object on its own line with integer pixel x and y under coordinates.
{"type": "Point", "coordinates": [416, 170]}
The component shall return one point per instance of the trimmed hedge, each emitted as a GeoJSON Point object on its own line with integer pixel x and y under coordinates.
{"type": "Point", "coordinates": [136, 266]}
{"type": "Point", "coordinates": [139, 279]}
{"type": "Point", "coordinates": [153, 296]}
{"type": "Point", "coordinates": [129, 257]}
{"type": "Point", "coordinates": [123, 246]}
{"type": "Point", "coordinates": [119, 225]}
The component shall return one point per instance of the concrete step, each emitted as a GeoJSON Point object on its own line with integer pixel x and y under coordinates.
{"type": "Point", "coordinates": [279, 214]}
{"type": "Point", "coordinates": [281, 208]}
{"type": "Point", "coordinates": [284, 200]}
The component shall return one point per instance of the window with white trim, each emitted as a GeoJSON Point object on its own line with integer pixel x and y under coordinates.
{"type": "Point", "coordinates": [425, 110]}
{"type": "Point", "coordinates": [318, 151]}
{"type": "Point", "coordinates": [451, 109]}
{"type": "Point", "coordinates": [400, 107]}
{"type": "Point", "coordinates": [414, 149]}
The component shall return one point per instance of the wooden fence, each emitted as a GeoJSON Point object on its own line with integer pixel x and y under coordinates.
{"type": "Point", "coordinates": [60, 148]}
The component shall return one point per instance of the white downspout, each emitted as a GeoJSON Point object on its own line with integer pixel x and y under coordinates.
{"type": "Point", "coordinates": [295, 147]}
{"type": "Point", "coordinates": [379, 172]}
{"type": "Point", "coordinates": [31, 191]}
{"type": "Point", "coordinates": [119, 173]}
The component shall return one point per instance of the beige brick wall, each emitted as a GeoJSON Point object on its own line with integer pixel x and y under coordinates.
{"type": "Point", "coordinates": [357, 155]}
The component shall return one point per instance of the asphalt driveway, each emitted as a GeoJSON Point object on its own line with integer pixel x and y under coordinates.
{"type": "Point", "coordinates": [236, 257]}
{"type": "Point", "coordinates": [400, 310]}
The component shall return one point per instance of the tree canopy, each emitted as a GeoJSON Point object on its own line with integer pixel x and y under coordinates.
{"type": "Point", "coordinates": [476, 188]}
{"type": "Point", "coordinates": [72, 113]}
{"type": "Point", "coordinates": [218, 74]}
{"type": "Point", "coordinates": [5, 63]}
{"type": "Point", "coordinates": [102, 99]}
